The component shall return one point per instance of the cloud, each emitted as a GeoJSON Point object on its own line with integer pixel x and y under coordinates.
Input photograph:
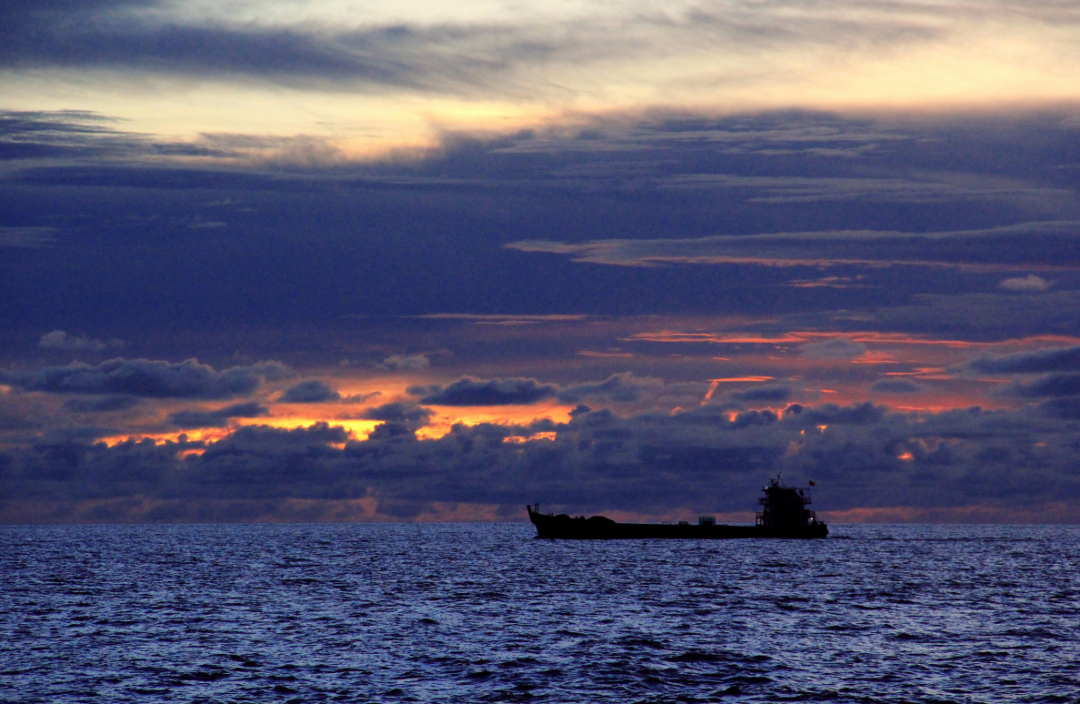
{"type": "Point", "coordinates": [985, 316]}
{"type": "Point", "coordinates": [264, 440]}
{"type": "Point", "coordinates": [801, 189]}
{"type": "Point", "coordinates": [861, 456]}
{"type": "Point", "coordinates": [773, 393]}
{"type": "Point", "coordinates": [60, 340]}
{"type": "Point", "coordinates": [624, 200]}
{"type": "Point", "coordinates": [313, 391]}
{"type": "Point", "coordinates": [1058, 359]}
{"type": "Point", "coordinates": [146, 378]}
{"type": "Point", "coordinates": [895, 386]}
{"type": "Point", "coordinates": [27, 237]}
{"type": "Point", "coordinates": [22, 417]}
{"type": "Point", "coordinates": [216, 419]}
{"type": "Point", "coordinates": [865, 413]}
{"type": "Point", "coordinates": [408, 52]}
{"type": "Point", "coordinates": [1005, 248]}
{"type": "Point", "coordinates": [642, 392]}
{"type": "Point", "coordinates": [49, 136]}
{"type": "Point", "coordinates": [1026, 284]}
{"type": "Point", "coordinates": [460, 57]}
{"type": "Point", "coordinates": [617, 388]}
{"type": "Point", "coordinates": [1063, 408]}
{"type": "Point", "coordinates": [1050, 385]}
{"type": "Point", "coordinates": [104, 404]}
{"type": "Point", "coordinates": [471, 391]}
{"type": "Point", "coordinates": [401, 415]}
{"type": "Point", "coordinates": [67, 435]}
{"type": "Point", "coordinates": [361, 398]}
{"type": "Point", "coordinates": [837, 348]}
{"type": "Point", "coordinates": [627, 178]}
{"type": "Point", "coordinates": [412, 362]}
{"type": "Point", "coordinates": [506, 319]}
{"type": "Point", "coordinates": [552, 54]}
{"type": "Point", "coordinates": [62, 135]}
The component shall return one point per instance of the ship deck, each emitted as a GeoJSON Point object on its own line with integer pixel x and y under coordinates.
{"type": "Point", "coordinates": [564, 527]}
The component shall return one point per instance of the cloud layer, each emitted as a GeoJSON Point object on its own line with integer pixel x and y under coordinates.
{"type": "Point", "coordinates": [1015, 247]}
{"type": "Point", "coordinates": [216, 419]}
{"type": "Point", "coordinates": [640, 312]}
{"type": "Point", "coordinates": [859, 455]}
{"type": "Point", "coordinates": [146, 378]}
{"type": "Point", "coordinates": [526, 52]}
{"type": "Point", "coordinates": [470, 391]}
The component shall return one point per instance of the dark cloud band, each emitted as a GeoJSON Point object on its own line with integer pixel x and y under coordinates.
{"type": "Point", "coordinates": [146, 378]}
{"type": "Point", "coordinates": [188, 420]}
{"type": "Point", "coordinates": [470, 391]}
{"type": "Point", "coordinates": [1063, 359]}
{"type": "Point", "coordinates": [861, 456]}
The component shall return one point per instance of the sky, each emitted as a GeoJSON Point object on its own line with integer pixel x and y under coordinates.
{"type": "Point", "coordinates": [354, 261]}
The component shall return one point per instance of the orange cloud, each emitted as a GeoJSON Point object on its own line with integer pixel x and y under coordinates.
{"type": "Point", "coordinates": [604, 355]}
{"type": "Point", "coordinates": [519, 439]}
{"type": "Point", "coordinates": [194, 435]}
{"type": "Point", "coordinates": [449, 416]}
{"type": "Point", "coordinates": [866, 337]}
{"type": "Point", "coordinates": [715, 338]}
{"type": "Point", "coordinates": [742, 378]}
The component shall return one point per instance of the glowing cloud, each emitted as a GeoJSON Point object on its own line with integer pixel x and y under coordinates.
{"type": "Point", "coordinates": [1029, 283]}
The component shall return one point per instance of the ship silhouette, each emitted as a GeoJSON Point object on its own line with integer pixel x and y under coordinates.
{"type": "Point", "coordinates": [783, 514]}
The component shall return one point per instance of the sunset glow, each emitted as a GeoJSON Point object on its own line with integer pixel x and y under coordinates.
{"type": "Point", "coordinates": [419, 262]}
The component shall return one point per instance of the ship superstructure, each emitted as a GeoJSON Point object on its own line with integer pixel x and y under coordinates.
{"type": "Point", "coordinates": [784, 506]}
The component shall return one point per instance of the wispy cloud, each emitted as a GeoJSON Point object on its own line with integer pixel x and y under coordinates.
{"type": "Point", "coordinates": [27, 237]}
{"type": "Point", "coordinates": [411, 52]}
{"type": "Point", "coordinates": [927, 189]}
{"type": "Point", "coordinates": [567, 52]}
{"type": "Point", "coordinates": [1007, 248]}
{"type": "Point", "coordinates": [406, 362]}
{"type": "Point", "coordinates": [219, 418]}
{"type": "Point", "coordinates": [1054, 359]}
{"type": "Point", "coordinates": [1029, 284]}
{"type": "Point", "coordinates": [60, 340]}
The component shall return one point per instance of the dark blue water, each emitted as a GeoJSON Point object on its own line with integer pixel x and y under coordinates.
{"type": "Point", "coordinates": [485, 613]}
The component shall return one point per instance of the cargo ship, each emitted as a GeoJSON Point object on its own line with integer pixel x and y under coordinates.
{"type": "Point", "coordinates": [783, 514]}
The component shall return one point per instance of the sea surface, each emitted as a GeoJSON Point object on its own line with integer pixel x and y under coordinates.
{"type": "Point", "coordinates": [487, 613]}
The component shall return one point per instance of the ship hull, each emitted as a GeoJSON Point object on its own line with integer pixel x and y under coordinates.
{"type": "Point", "coordinates": [599, 528]}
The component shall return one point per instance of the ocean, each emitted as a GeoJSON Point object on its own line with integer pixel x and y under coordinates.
{"type": "Point", "coordinates": [487, 613]}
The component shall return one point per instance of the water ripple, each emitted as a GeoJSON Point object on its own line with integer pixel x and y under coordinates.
{"type": "Point", "coordinates": [485, 613]}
